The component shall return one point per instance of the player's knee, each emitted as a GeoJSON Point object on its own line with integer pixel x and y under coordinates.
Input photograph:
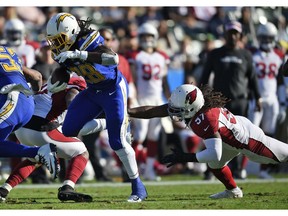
{"type": "Point", "coordinates": [85, 154]}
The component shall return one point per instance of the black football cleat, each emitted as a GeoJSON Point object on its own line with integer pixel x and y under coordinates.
{"type": "Point", "coordinates": [67, 193]}
{"type": "Point", "coordinates": [3, 194]}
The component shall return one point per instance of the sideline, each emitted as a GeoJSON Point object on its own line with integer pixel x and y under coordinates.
{"type": "Point", "coordinates": [147, 183]}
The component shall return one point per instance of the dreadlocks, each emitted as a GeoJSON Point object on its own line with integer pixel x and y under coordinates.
{"type": "Point", "coordinates": [213, 98]}
{"type": "Point", "coordinates": [85, 27]}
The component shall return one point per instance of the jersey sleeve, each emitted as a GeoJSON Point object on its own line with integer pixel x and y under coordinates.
{"type": "Point", "coordinates": [206, 124]}
{"type": "Point", "coordinates": [77, 82]}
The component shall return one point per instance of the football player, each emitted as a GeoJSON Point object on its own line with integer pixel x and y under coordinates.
{"type": "Point", "coordinates": [49, 113]}
{"type": "Point", "coordinates": [267, 64]}
{"type": "Point", "coordinates": [149, 67]}
{"type": "Point", "coordinates": [16, 109]}
{"type": "Point", "coordinates": [224, 135]}
{"type": "Point", "coordinates": [14, 36]}
{"type": "Point", "coordinates": [81, 49]}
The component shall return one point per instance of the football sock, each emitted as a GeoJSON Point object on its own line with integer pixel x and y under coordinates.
{"type": "Point", "coordinates": [152, 148]}
{"type": "Point", "coordinates": [127, 156]}
{"type": "Point", "coordinates": [21, 172]}
{"type": "Point", "coordinates": [75, 168]}
{"type": "Point", "coordinates": [225, 176]}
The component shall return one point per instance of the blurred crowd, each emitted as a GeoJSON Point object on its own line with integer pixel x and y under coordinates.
{"type": "Point", "coordinates": [185, 34]}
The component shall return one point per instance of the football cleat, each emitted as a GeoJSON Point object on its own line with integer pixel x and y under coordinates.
{"type": "Point", "coordinates": [3, 194]}
{"type": "Point", "coordinates": [66, 193]}
{"type": "Point", "coordinates": [47, 155]}
{"type": "Point", "coordinates": [234, 193]}
{"type": "Point", "coordinates": [139, 192]}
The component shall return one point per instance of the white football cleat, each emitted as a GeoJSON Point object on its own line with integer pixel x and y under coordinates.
{"type": "Point", "coordinates": [47, 155]}
{"type": "Point", "coordinates": [234, 193]}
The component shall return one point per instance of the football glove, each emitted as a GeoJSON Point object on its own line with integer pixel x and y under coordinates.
{"type": "Point", "coordinates": [53, 88]}
{"type": "Point", "coordinates": [82, 55]}
{"type": "Point", "coordinates": [172, 159]}
{"type": "Point", "coordinates": [178, 156]}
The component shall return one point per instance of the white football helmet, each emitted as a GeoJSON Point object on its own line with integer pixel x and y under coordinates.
{"type": "Point", "coordinates": [185, 101]}
{"type": "Point", "coordinates": [62, 30]}
{"type": "Point", "coordinates": [267, 35]}
{"type": "Point", "coordinates": [147, 29]}
{"type": "Point", "coordinates": [14, 32]}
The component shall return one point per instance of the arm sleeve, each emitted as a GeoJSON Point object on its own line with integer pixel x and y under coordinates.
{"type": "Point", "coordinates": [213, 151]}
{"type": "Point", "coordinates": [252, 78]}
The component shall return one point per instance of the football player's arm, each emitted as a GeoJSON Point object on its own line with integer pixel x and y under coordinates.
{"type": "Point", "coordinates": [147, 112]}
{"type": "Point", "coordinates": [71, 94]}
{"type": "Point", "coordinates": [253, 82]}
{"type": "Point", "coordinates": [34, 77]}
{"type": "Point", "coordinates": [101, 55]}
{"type": "Point", "coordinates": [213, 152]}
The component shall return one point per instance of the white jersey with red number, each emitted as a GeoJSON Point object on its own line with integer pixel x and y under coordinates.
{"type": "Point", "coordinates": [150, 69]}
{"type": "Point", "coordinates": [267, 69]}
{"type": "Point", "coordinates": [47, 108]}
{"type": "Point", "coordinates": [238, 135]}
{"type": "Point", "coordinates": [26, 52]}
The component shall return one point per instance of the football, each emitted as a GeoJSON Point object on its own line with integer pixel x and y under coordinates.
{"type": "Point", "coordinates": [60, 74]}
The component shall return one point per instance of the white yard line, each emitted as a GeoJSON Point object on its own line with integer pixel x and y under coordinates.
{"type": "Point", "coordinates": [160, 183]}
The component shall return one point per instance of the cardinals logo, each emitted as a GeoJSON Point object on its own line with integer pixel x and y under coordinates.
{"type": "Point", "coordinates": [191, 96]}
{"type": "Point", "coordinates": [61, 18]}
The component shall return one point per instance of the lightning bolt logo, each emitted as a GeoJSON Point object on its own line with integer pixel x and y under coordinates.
{"type": "Point", "coordinates": [61, 18]}
{"type": "Point", "coordinates": [6, 109]}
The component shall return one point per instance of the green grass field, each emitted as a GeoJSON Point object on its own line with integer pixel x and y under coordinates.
{"type": "Point", "coordinates": [175, 192]}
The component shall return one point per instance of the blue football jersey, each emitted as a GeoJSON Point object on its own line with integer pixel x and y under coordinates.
{"type": "Point", "coordinates": [11, 68]}
{"type": "Point", "coordinates": [96, 75]}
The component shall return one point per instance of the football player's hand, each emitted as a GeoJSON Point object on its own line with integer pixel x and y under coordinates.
{"type": "Point", "coordinates": [172, 159]}
{"type": "Point", "coordinates": [82, 55]}
{"type": "Point", "coordinates": [53, 88]}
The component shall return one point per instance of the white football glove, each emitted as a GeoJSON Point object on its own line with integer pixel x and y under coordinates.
{"type": "Point", "coordinates": [82, 55]}
{"type": "Point", "coordinates": [53, 88]}
{"type": "Point", "coordinates": [282, 114]}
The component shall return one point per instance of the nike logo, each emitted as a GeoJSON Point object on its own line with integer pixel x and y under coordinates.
{"type": "Point", "coordinates": [136, 198]}
{"type": "Point", "coordinates": [110, 93]}
{"type": "Point", "coordinates": [98, 41]}
{"type": "Point", "coordinates": [205, 129]}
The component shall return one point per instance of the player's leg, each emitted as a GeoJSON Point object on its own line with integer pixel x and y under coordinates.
{"type": "Point", "coordinates": [154, 130]}
{"type": "Point", "coordinates": [223, 173]}
{"type": "Point", "coordinates": [117, 125]}
{"type": "Point", "coordinates": [70, 148]}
